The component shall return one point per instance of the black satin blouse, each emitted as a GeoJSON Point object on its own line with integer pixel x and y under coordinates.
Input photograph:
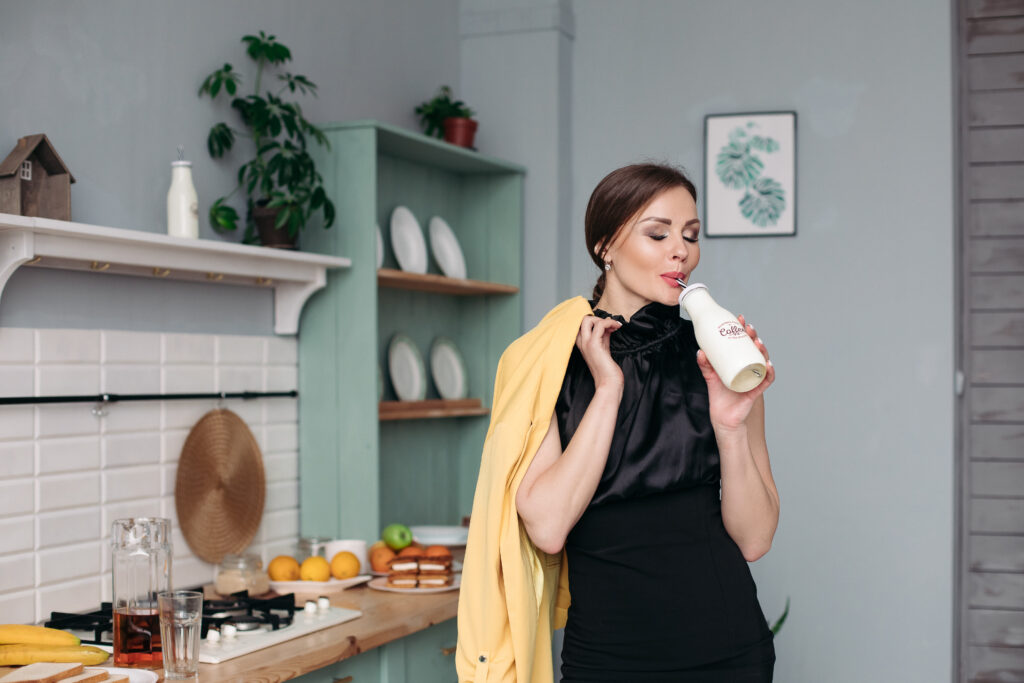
{"type": "Point", "coordinates": [663, 439]}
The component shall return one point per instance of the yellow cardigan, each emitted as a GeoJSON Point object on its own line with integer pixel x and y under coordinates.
{"type": "Point", "coordinates": [508, 605]}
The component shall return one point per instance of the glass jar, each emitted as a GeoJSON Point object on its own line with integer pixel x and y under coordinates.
{"type": "Point", "coordinates": [140, 570]}
{"type": "Point", "coordinates": [241, 573]}
{"type": "Point", "coordinates": [310, 546]}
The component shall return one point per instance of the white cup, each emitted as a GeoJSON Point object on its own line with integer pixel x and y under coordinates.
{"type": "Point", "coordinates": [356, 547]}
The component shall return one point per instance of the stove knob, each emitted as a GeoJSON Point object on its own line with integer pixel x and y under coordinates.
{"type": "Point", "coordinates": [213, 636]}
{"type": "Point", "coordinates": [228, 631]}
{"type": "Point", "coordinates": [323, 604]}
{"type": "Point", "coordinates": [310, 608]}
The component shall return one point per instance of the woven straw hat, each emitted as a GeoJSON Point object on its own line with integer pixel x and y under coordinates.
{"type": "Point", "coordinates": [220, 486]}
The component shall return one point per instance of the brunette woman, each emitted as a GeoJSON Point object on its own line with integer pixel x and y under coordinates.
{"type": "Point", "coordinates": [653, 476]}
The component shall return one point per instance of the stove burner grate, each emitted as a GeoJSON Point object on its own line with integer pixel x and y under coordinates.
{"type": "Point", "coordinates": [246, 613]}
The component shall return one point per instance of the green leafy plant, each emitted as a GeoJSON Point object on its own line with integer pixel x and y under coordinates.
{"type": "Point", "coordinates": [781, 620]}
{"type": "Point", "coordinates": [434, 111]}
{"type": "Point", "coordinates": [282, 175]}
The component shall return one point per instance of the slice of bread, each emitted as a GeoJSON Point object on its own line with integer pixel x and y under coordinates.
{"type": "Point", "coordinates": [90, 675]}
{"type": "Point", "coordinates": [43, 672]}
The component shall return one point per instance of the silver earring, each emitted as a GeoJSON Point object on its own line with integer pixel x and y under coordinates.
{"type": "Point", "coordinates": [607, 266]}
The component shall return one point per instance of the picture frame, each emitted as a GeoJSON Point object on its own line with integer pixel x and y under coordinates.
{"type": "Point", "coordinates": [750, 174]}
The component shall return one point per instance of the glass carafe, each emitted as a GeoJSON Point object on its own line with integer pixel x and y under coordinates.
{"type": "Point", "coordinates": [141, 563]}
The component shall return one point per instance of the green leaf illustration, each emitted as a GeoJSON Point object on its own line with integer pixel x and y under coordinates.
{"type": "Point", "coordinates": [736, 166]}
{"type": "Point", "coordinates": [764, 144]}
{"type": "Point", "coordinates": [764, 203]}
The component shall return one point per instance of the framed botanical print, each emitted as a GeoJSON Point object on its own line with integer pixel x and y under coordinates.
{"type": "Point", "coordinates": [750, 174]}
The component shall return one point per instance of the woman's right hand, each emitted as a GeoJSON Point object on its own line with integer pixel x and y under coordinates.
{"type": "Point", "coordinates": [593, 342]}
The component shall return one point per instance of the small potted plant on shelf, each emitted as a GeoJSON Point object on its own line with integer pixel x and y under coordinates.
{"type": "Point", "coordinates": [445, 117]}
{"type": "Point", "coordinates": [283, 186]}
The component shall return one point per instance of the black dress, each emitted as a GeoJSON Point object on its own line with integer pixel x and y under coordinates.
{"type": "Point", "coordinates": [660, 591]}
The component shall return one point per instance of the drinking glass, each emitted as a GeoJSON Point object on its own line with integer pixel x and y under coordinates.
{"type": "Point", "coordinates": [181, 615]}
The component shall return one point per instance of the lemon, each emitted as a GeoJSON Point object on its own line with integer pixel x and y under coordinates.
{"type": "Point", "coordinates": [344, 565]}
{"type": "Point", "coordinates": [283, 568]}
{"type": "Point", "coordinates": [315, 568]}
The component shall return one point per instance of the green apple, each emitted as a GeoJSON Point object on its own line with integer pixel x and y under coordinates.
{"type": "Point", "coordinates": [397, 536]}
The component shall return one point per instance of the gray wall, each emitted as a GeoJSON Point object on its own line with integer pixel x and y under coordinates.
{"type": "Point", "coordinates": [857, 309]}
{"type": "Point", "coordinates": [113, 84]}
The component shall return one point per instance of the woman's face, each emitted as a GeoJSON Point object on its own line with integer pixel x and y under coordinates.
{"type": "Point", "coordinates": [650, 251]}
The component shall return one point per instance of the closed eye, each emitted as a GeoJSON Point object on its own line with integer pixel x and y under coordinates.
{"type": "Point", "coordinates": [691, 240]}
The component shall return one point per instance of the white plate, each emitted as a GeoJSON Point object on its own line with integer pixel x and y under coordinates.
{"type": "Point", "coordinates": [323, 587]}
{"type": "Point", "coordinates": [445, 248]}
{"type": "Point", "coordinates": [407, 241]}
{"type": "Point", "coordinates": [447, 369]}
{"type": "Point", "coordinates": [405, 365]}
{"type": "Point", "coordinates": [440, 535]}
{"type": "Point", "coordinates": [134, 675]}
{"type": "Point", "coordinates": [381, 584]}
{"type": "Point", "coordinates": [380, 248]}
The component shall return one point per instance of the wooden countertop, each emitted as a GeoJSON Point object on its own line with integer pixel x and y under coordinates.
{"type": "Point", "coordinates": [386, 617]}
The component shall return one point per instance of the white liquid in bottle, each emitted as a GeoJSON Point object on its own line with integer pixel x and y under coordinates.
{"type": "Point", "coordinates": [182, 202]}
{"type": "Point", "coordinates": [732, 353]}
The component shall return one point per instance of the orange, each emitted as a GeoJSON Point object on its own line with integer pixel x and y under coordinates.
{"type": "Point", "coordinates": [344, 565]}
{"type": "Point", "coordinates": [315, 568]}
{"type": "Point", "coordinates": [283, 568]}
{"type": "Point", "coordinates": [380, 555]}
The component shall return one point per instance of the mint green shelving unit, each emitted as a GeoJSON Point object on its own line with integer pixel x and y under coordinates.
{"type": "Point", "coordinates": [359, 473]}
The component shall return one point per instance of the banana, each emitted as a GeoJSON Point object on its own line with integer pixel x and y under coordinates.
{"type": "Point", "coordinates": [35, 635]}
{"type": "Point", "coordinates": [16, 655]}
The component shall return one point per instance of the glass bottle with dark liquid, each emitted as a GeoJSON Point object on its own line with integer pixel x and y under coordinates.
{"type": "Point", "coordinates": [141, 563]}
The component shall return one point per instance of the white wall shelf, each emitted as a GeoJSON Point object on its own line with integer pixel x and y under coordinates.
{"type": "Point", "coordinates": [46, 243]}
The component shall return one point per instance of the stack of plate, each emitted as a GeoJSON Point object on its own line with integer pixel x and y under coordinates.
{"type": "Point", "coordinates": [411, 250]}
{"type": "Point", "coordinates": [408, 374]}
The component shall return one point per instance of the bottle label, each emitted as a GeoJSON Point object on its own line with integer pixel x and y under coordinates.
{"type": "Point", "coordinates": [731, 330]}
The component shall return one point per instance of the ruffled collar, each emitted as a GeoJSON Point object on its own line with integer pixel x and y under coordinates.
{"type": "Point", "coordinates": [650, 325]}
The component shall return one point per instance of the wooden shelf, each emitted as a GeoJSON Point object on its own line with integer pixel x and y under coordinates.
{"type": "Point", "coordinates": [429, 282]}
{"type": "Point", "coordinates": [46, 243]}
{"type": "Point", "coordinates": [420, 410]}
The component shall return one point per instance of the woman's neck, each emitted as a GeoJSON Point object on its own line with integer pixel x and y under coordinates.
{"type": "Point", "coordinates": [620, 303]}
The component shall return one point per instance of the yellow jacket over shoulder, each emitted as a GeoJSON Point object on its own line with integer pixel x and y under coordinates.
{"type": "Point", "coordinates": [514, 595]}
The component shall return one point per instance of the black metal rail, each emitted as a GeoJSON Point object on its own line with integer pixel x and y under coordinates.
{"type": "Point", "coordinates": [120, 398]}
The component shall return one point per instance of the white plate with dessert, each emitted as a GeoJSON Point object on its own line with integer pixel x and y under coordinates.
{"type": "Point", "coordinates": [381, 584]}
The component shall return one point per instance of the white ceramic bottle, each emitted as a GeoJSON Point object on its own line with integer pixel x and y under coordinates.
{"type": "Point", "coordinates": [182, 202]}
{"type": "Point", "coordinates": [733, 355]}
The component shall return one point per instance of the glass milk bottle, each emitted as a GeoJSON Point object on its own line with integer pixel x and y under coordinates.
{"type": "Point", "coordinates": [182, 202]}
{"type": "Point", "coordinates": [732, 352]}
{"type": "Point", "coordinates": [141, 564]}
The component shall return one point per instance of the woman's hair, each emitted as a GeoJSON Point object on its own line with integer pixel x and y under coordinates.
{"type": "Point", "coordinates": [618, 197]}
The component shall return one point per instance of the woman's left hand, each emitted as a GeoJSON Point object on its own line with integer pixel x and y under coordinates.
{"type": "Point", "coordinates": [729, 409]}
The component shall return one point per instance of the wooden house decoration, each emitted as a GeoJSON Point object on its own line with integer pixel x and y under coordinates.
{"type": "Point", "coordinates": [34, 180]}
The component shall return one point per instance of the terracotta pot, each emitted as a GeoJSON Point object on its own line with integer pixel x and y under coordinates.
{"type": "Point", "coordinates": [264, 218]}
{"type": "Point", "coordinates": [459, 131]}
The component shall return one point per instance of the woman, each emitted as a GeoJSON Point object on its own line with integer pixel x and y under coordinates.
{"type": "Point", "coordinates": [627, 477]}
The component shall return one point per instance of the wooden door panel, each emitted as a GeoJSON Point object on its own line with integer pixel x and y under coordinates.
{"type": "Point", "coordinates": [997, 627]}
{"type": "Point", "coordinates": [997, 329]}
{"type": "Point", "coordinates": [996, 218]}
{"type": "Point", "coordinates": [1005, 34]}
{"type": "Point", "coordinates": [997, 291]}
{"type": "Point", "coordinates": [992, 72]}
{"type": "Point", "coordinates": [997, 366]}
{"type": "Point", "coordinates": [993, 8]}
{"type": "Point", "coordinates": [997, 478]}
{"type": "Point", "coordinates": [997, 590]}
{"type": "Point", "coordinates": [996, 108]}
{"type": "Point", "coordinates": [996, 182]}
{"type": "Point", "coordinates": [998, 442]}
{"type": "Point", "coordinates": [997, 404]}
{"type": "Point", "coordinates": [998, 255]}
{"type": "Point", "coordinates": [996, 516]}
{"type": "Point", "coordinates": [997, 554]}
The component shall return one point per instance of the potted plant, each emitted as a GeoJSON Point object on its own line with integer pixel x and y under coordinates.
{"type": "Point", "coordinates": [452, 119]}
{"type": "Point", "coordinates": [283, 186]}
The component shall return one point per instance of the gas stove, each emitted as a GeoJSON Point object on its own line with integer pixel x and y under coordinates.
{"type": "Point", "coordinates": [233, 626]}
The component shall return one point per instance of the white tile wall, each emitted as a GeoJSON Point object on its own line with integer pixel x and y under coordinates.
{"type": "Point", "coordinates": [67, 473]}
